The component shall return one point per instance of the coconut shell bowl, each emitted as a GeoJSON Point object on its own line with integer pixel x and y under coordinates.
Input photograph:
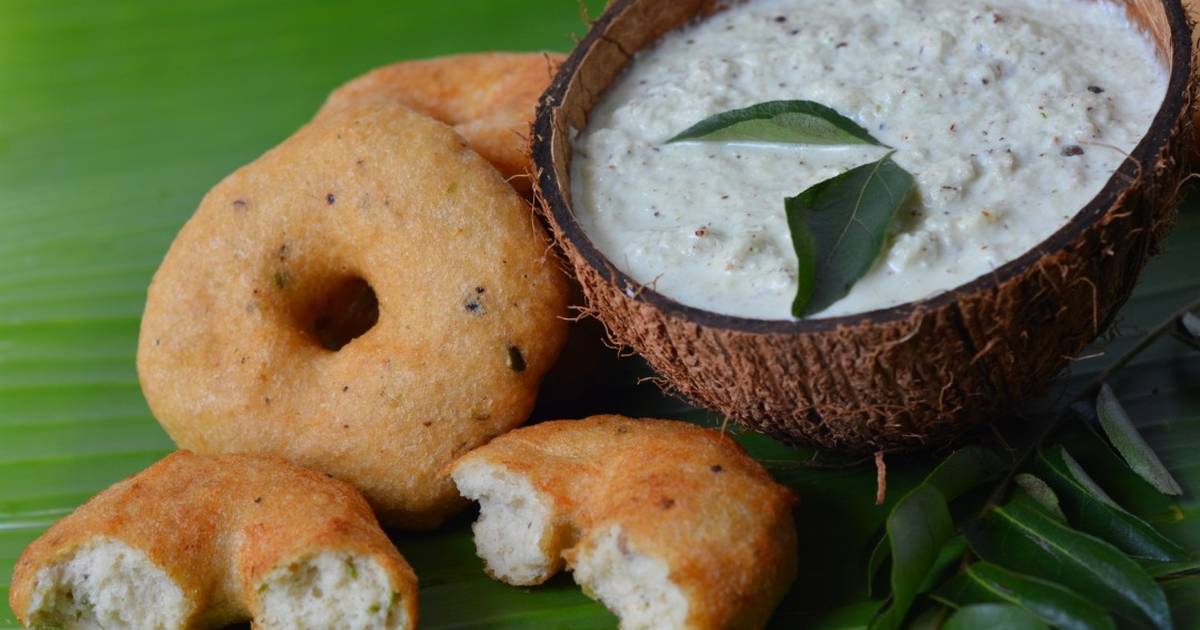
{"type": "Point", "coordinates": [913, 376]}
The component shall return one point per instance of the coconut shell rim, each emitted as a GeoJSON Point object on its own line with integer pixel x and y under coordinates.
{"type": "Point", "coordinates": [1141, 160]}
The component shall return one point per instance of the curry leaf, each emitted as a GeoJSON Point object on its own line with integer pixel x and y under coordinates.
{"type": "Point", "coordinates": [1191, 323]}
{"type": "Point", "coordinates": [948, 559]}
{"type": "Point", "coordinates": [1130, 444]}
{"type": "Point", "coordinates": [994, 617]}
{"type": "Point", "coordinates": [1021, 537]}
{"type": "Point", "coordinates": [1042, 493]}
{"type": "Point", "coordinates": [1091, 510]}
{"type": "Point", "coordinates": [839, 227]}
{"type": "Point", "coordinates": [787, 122]}
{"type": "Point", "coordinates": [962, 470]}
{"type": "Point", "coordinates": [1084, 479]}
{"type": "Point", "coordinates": [984, 582]}
{"type": "Point", "coordinates": [916, 529]}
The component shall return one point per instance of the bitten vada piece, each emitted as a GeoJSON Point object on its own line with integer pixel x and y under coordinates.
{"type": "Point", "coordinates": [669, 525]}
{"type": "Point", "coordinates": [368, 299]}
{"type": "Point", "coordinates": [489, 98]}
{"type": "Point", "coordinates": [205, 541]}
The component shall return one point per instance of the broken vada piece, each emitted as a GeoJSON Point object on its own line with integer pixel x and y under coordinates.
{"type": "Point", "coordinates": [668, 524]}
{"type": "Point", "coordinates": [203, 542]}
{"type": "Point", "coordinates": [489, 98]}
{"type": "Point", "coordinates": [369, 299]}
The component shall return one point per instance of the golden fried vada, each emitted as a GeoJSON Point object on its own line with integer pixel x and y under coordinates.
{"type": "Point", "coordinates": [489, 98]}
{"type": "Point", "coordinates": [669, 525]}
{"type": "Point", "coordinates": [203, 542]}
{"type": "Point", "coordinates": [368, 299]}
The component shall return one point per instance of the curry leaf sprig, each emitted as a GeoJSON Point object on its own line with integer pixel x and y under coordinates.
{"type": "Point", "coordinates": [839, 226]}
{"type": "Point", "coordinates": [1051, 546]}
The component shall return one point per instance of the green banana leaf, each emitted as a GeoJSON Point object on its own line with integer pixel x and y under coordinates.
{"type": "Point", "coordinates": [117, 115]}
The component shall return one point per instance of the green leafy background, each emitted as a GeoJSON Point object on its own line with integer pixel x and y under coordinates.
{"type": "Point", "coordinates": [116, 116]}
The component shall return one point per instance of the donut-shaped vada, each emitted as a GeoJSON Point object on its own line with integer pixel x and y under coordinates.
{"type": "Point", "coordinates": [669, 525]}
{"type": "Point", "coordinates": [368, 299]}
{"type": "Point", "coordinates": [489, 98]}
{"type": "Point", "coordinates": [203, 542]}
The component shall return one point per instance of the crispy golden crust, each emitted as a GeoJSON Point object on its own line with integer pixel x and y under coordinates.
{"type": "Point", "coordinates": [217, 525]}
{"type": "Point", "coordinates": [489, 98]}
{"type": "Point", "coordinates": [231, 355]}
{"type": "Point", "coordinates": [687, 495]}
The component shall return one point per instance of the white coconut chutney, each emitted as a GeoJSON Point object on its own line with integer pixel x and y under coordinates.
{"type": "Point", "coordinates": [1011, 115]}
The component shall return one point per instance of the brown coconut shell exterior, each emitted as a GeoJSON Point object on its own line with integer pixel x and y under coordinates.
{"type": "Point", "coordinates": [902, 378]}
{"type": "Point", "coordinates": [1192, 7]}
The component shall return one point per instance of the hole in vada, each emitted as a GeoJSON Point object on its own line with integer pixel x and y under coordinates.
{"type": "Point", "coordinates": [347, 312]}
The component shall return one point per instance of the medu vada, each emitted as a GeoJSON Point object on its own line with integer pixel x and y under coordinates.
{"type": "Point", "coordinates": [369, 299]}
{"type": "Point", "coordinates": [668, 524]}
{"type": "Point", "coordinates": [203, 542]}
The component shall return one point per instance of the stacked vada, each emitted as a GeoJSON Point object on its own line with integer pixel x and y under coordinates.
{"type": "Point", "coordinates": [375, 301]}
{"type": "Point", "coordinates": [340, 325]}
